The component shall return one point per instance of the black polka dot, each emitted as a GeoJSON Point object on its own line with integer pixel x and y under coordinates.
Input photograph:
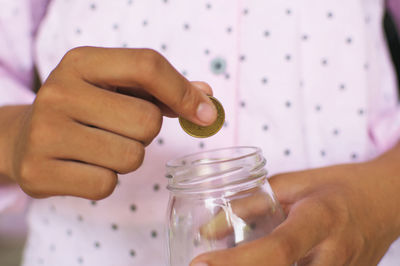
{"type": "Point", "coordinates": [69, 232]}
{"type": "Point", "coordinates": [366, 66]}
{"type": "Point", "coordinates": [267, 33]}
{"type": "Point", "coordinates": [133, 207]}
{"type": "Point", "coordinates": [114, 227]}
{"type": "Point", "coordinates": [242, 58]}
{"type": "Point", "coordinates": [227, 76]}
{"type": "Point", "coordinates": [318, 108]}
{"type": "Point", "coordinates": [286, 152]}
{"type": "Point", "coordinates": [226, 124]}
{"type": "Point", "coordinates": [329, 14]}
{"type": "Point", "coordinates": [115, 26]}
{"type": "Point", "coordinates": [206, 51]}
{"type": "Point", "coordinates": [229, 29]}
{"type": "Point", "coordinates": [288, 11]}
{"type": "Point", "coordinates": [186, 26]}
{"type": "Point", "coordinates": [93, 202]}
{"type": "Point", "coordinates": [154, 234]}
{"type": "Point", "coordinates": [349, 40]}
{"type": "Point", "coordinates": [208, 5]}
{"type": "Point", "coordinates": [93, 6]}
{"type": "Point", "coordinates": [201, 145]}
{"type": "Point", "coordinates": [130, 2]}
{"type": "Point", "coordinates": [97, 244]}
{"type": "Point", "coordinates": [124, 45]}
{"type": "Point", "coordinates": [184, 73]}
{"type": "Point", "coordinates": [324, 61]}
{"type": "Point", "coordinates": [288, 57]}
{"type": "Point", "coordinates": [78, 31]}
{"type": "Point", "coordinates": [323, 153]}
{"type": "Point", "coordinates": [354, 156]}
{"type": "Point", "coordinates": [132, 253]}
{"type": "Point", "coordinates": [160, 141]}
{"type": "Point", "coordinates": [156, 187]}
{"type": "Point", "coordinates": [245, 11]}
{"type": "Point", "coordinates": [80, 260]}
{"type": "Point", "coordinates": [145, 23]}
{"type": "Point", "coordinates": [163, 47]}
{"type": "Point", "coordinates": [242, 104]}
{"type": "Point", "coordinates": [360, 111]}
{"type": "Point", "coordinates": [264, 80]}
{"type": "Point", "coordinates": [80, 218]}
{"type": "Point", "coordinates": [342, 87]}
{"type": "Point", "coordinates": [335, 132]}
{"type": "Point", "coordinates": [305, 37]}
{"type": "Point", "coordinates": [288, 104]}
{"type": "Point", "coordinates": [265, 127]}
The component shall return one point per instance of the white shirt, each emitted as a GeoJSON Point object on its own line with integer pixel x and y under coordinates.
{"type": "Point", "coordinates": [308, 81]}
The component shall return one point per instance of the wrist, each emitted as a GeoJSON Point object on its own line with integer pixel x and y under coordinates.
{"type": "Point", "coordinates": [11, 123]}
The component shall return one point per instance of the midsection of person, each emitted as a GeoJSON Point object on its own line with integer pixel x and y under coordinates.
{"type": "Point", "coordinates": [302, 80]}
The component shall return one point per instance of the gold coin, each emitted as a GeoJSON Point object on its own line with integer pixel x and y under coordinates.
{"type": "Point", "coordinates": [207, 131]}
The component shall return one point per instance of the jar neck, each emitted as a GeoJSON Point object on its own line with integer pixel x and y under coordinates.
{"type": "Point", "coordinates": [229, 169]}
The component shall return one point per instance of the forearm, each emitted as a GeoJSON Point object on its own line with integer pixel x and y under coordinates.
{"type": "Point", "coordinates": [385, 173]}
{"type": "Point", "coordinates": [11, 120]}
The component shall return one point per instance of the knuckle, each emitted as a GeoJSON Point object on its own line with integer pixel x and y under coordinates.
{"type": "Point", "coordinates": [151, 121]}
{"type": "Point", "coordinates": [107, 182]}
{"type": "Point", "coordinates": [29, 178]}
{"type": "Point", "coordinates": [132, 158]}
{"type": "Point", "coordinates": [150, 63]}
{"type": "Point", "coordinates": [75, 54]}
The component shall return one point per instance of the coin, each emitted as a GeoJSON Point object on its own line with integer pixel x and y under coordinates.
{"type": "Point", "coordinates": [205, 131]}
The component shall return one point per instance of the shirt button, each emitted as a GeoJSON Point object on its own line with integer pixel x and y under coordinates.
{"type": "Point", "coordinates": [218, 65]}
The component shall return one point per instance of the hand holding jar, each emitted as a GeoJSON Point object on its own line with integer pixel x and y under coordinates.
{"type": "Point", "coordinates": [338, 215]}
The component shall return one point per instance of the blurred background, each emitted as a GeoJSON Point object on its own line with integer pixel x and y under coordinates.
{"type": "Point", "coordinates": [13, 226]}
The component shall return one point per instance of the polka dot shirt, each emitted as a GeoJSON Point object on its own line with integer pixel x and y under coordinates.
{"type": "Point", "coordinates": [309, 82]}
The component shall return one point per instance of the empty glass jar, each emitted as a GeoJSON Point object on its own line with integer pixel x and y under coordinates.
{"type": "Point", "coordinates": [218, 199]}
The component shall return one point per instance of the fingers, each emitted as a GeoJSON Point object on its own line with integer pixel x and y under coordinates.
{"type": "Point", "coordinates": [124, 115]}
{"type": "Point", "coordinates": [145, 69]}
{"type": "Point", "coordinates": [57, 177]}
{"type": "Point", "coordinates": [221, 225]}
{"type": "Point", "coordinates": [289, 242]}
{"type": "Point", "coordinates": [95, 146]}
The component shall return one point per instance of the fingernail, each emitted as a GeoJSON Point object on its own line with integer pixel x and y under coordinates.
{"type": "Point", "coordinates": [206, 112]}
{"type": "Point", "coordinates": [200, 264]}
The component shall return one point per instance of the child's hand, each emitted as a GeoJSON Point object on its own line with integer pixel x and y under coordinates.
{"type": "Point", "coordinates": [340, 215]}
{"type": "Point", "coordinates": [93, 117]}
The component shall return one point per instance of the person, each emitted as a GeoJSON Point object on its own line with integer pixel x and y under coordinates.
{"type": "Point", "coordinates": [310, 83]}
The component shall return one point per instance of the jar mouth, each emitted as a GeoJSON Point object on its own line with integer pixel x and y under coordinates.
{"type": "Point", "coordinates": [216, 169]}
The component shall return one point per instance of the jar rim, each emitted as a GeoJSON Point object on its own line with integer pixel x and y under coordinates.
{"type": "Point", "coordinates": [254, 150]}
{"type": "Point", "coordinates": [217, 169]}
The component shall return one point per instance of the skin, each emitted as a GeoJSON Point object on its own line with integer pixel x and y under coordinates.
{"type": "Point", "coordinates": [337, 215]}
{"type": "Point", "coordinates": [92, 119]}
{"type": "Point", "coordinates": [99, 108]}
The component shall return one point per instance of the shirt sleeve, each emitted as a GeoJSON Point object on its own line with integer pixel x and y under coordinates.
{"type": "Point", "coordinates": [19, 21]}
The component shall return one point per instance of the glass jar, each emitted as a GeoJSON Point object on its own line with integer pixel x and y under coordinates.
{"type": "Point", "coordinates": [218, 199]}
